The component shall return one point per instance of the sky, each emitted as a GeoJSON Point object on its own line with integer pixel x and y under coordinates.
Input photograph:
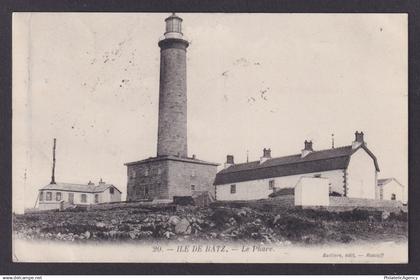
{"type": "Point", "coordinates": [254, 81]}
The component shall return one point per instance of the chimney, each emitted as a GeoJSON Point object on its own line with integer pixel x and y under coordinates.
{"type": "Point", "coordinates": [101, 182]}
{"type": "Point", "coordinates": [266, 155]}
{"type": "Point", "coordinates": [53, 167]}
{"type": "Point", "coordinates": [229, 161]}
{"type": "Point", "coordinates": [90, 183]}
{"type": "Point", "coordinates": [308, 149]}
{"type": "Point", "coordinates": [358, 139]}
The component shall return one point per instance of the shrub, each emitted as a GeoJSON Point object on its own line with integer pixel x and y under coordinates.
{"type": "Point", "coordinates": [400, 216]}
{"type": "Point", "coordinates": [335, 194]}
{"type": "Point", "coordinates": [354, 215]}
{"type": "Point", "coordinates": [294, 227]}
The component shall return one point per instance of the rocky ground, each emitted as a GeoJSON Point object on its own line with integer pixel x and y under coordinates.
{"type": "Point", "coordinates": [217, 222]}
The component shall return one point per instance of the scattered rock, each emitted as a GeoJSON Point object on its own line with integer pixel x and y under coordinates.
{"type": "Point", "coordinates": [168, 234]}
{"type": "Point", "coordinates": [100, 225]}
{"type": "Point", "coordinates": [132, 235]}
{"type": "Point", "coordinates": [174, 220]}
{"type": "Point", "coordinates": [385, 215]}
{"type": "Point", "coordinates": [183, 227]}
{"type": "Point", "coordinates": [276, 219]}
{"type": "Point", "coordinates": [222, 222]}
{"type": "Point", "coordinates": [229, 230]}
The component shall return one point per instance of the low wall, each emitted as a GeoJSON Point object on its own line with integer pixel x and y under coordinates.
{"type": "Point", "coordinates": [283, 201]}
{"type": "Point", "coordinates": [50, 205]}
{"type": "Point", "coordinates": [337, 204]}
{"type": "Point", "coordinates": [363, 202]}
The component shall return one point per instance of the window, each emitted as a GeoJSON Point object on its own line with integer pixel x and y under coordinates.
{"type": "Point", "coordinates": [133, 174]}
{"type": "Point", "coordinates": [317, 176]}
{"type": "Point", "coordinates": [146, 172]}
{"type": "Point", "coordinates": [83, 197]}
{"type": "Point", "coordinates": [146, 191]}
{"type": "Point", "coordinates": [159, 171]}
{"type": "Point", "coordinates": [193, 187]}
{"type": "Point", "coordinates": [381, 193]}
{"type": "Point", "coordinates": [71, 198]}
{"type": "Point", "coordinates": [41, 196]}
{"type": "Point", "coordinates": [96, 198]}
{"type": "Point", "coordinates": [393, 196]}
{"type": "Point", "coordinates": [193, 173]}
{"type": "Point", "coordinates": [49, 196]}
{"type": "Point", "coordinates": [111, 190]}
{"type": "Point", "coordinates": [271, 184]}
{"type": "Point", "coordinates": [232, 188]}
{"type": "Point", "coordinates": [58, 196]}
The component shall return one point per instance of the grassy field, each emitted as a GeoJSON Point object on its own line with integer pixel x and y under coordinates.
{"type": "Point", "coordinates": [222, 222]}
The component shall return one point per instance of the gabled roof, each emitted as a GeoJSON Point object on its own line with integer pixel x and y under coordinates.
{"type": "Point", "coordinates": [317, 161]}
{"type": "Point", "coordinates": [79, 187]}
{"type": "Point", "coordinates": [384, 181]}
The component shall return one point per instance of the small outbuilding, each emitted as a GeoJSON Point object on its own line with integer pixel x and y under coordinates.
{"type": "Point", "coordinates": [391, 189]}
{"type": "Point", "coordinates": [312, 191]}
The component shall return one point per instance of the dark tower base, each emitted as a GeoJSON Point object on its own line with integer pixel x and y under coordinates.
{"type": "Point", "coordinates": [162, 178]}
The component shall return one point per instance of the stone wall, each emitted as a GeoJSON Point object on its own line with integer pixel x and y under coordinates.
{"type": "Point", "coordinates": [362, 202]}
{"type": "Point", "coordinates": [182, 175]}
{"type": "Point", "coordinates": [172, 127]}
{"type": "Point", "coordinates": [147, 180]}
{"type": "Point", "coordinates": [164, 179]}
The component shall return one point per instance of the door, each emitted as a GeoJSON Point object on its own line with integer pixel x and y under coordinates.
{"type": "Point", "coordinates": [71, 198]}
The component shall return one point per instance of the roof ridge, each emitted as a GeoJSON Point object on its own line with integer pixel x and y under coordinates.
{"type": "Point", "coordinates": [388, 178]}
{"type": "Point", "coordinates": [289, 163]}
{"type": "Point", "coordinates": [315, 151]}
{"type": "Point", "coordinates": [70, 184]}
{"type": "Point", "coordinates": [255, 161]}
{"type": "Point", "coordinates": [335, 148]}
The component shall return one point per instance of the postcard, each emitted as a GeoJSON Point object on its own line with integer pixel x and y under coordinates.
{"type": "Point", "coordinates": [210, 137]}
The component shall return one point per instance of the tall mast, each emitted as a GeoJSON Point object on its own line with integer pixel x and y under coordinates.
{"type": "Point", "coordinates": [53, 167]}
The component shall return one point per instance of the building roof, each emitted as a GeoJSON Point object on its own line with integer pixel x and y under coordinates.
{"type": "Point", "coordinates": [316, 161]}
{"type": "Point", "coordinates": [174, 158]}
{"type": "Point", "coordinates": [384, 181]}
{"type": "Point", "coordinates": [79, 187]}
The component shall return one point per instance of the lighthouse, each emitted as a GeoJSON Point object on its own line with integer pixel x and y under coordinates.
{"type": "Point", "coordinates": [172, 172]}
{"type": "Point", "coordinates": [172, 127]}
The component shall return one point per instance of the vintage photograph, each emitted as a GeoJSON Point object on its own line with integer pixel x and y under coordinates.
{"type": "Point", "coordinates": [210, 137]}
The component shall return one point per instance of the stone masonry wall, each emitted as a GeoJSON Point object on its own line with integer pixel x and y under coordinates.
{"type": "Point", "coordinates": [147, 180]}
{"type": "Point", "coordinates": [184, 174]}
{"type": "Point", "coordinates": [172, 128]}
{"type": "Point", "coordinates": [164, 179]}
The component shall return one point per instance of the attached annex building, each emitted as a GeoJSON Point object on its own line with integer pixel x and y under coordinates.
{"type": "Point", "coordinates": [351, 170]}
{"type": "Point", "coordinates": [63, 195]}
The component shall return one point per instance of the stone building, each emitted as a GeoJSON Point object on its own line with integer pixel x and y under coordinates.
{"type": "Point", "coordinates": [172, 172]}
{"type": "Point", "coordinates": [351, 170]}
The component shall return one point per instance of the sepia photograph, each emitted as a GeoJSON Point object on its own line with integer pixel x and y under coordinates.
{"type": "Point", "coordinates": [210, 137]}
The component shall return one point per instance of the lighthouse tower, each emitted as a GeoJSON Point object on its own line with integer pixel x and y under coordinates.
{"type": "Point", "coordinates": [172, 173]}
{"type": "Point", "coordinates": [172, 128]}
